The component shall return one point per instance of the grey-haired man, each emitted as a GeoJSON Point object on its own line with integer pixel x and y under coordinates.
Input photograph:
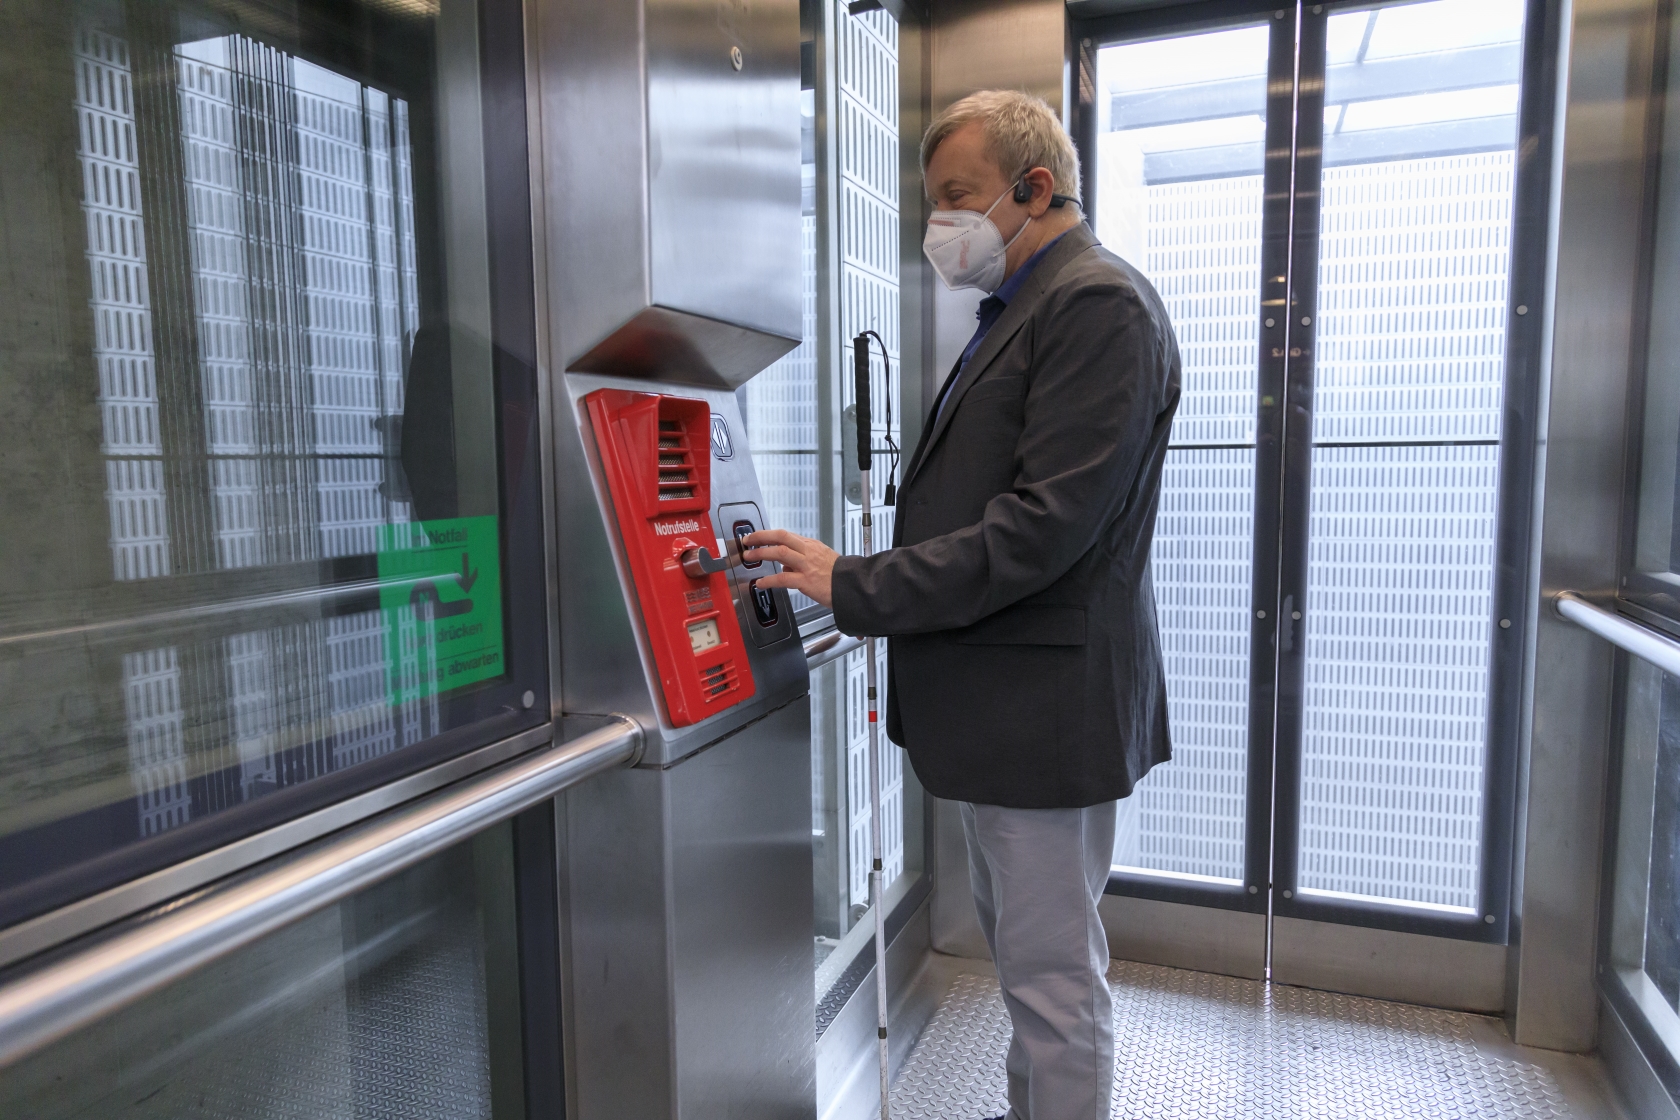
{"type": "Point", "coordinates": [1024, 664]}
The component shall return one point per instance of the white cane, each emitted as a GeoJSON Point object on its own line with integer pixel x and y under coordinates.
{"type": "Point", "coordinates": [860, 368]}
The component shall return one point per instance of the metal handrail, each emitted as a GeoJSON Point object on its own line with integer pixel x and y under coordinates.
{"type": "Point", "coordinates": [42, 1007]}
{"type": "Point", "coordinates": [830, 646]}
{"type": "Point", "coordinates": [1623, 633]}
{"type": "Point", "coordinates": [819, 623]}
{"type": "Point", "coordinates": [197, 612]}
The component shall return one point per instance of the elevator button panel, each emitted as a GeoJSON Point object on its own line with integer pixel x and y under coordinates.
{"type": "Point", "coordinates": [740, 531]}
{"type": "Point", "coordinates": [766, 614]}
{"type": "Point", "coordinates": [655, 455]}
{"type": "Point", "coordinates": [763, 605]}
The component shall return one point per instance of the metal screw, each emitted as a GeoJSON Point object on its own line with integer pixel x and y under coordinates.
{"type": "Point", "coordinates": [1271, 322]}
{"type": "Point", "coordinates": [1261, 614]}
{"type": "Point", "coordinates": [529, 698]}
{"type": "Point", "coordinates": [1288, 894]}
{"type": "Point", "coordinates": [1296, 616]}
{"type": "Point", "coordinates": [1488, 919]}
{"type": "Point", "coordinates": [1504, 624]}
{"type": "Point", "coordinates": [1306, 320]}
{"type": "Point", "coordinates": [1277, 15]}
{"type": "Point", "coordinates": [1318, 9]}
{"type": "Point", "coordinates": [1253, 890]}
{"type": "Point", "coordinates": [735, 58]}
{"type": "Point", "coordinates": [1522, 309]}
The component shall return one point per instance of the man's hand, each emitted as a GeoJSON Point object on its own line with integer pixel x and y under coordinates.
{"type": "Point", "coordinates": [807, 565]}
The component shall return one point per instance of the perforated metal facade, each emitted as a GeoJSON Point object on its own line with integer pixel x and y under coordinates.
{"type": "Point", "coordinates": [784, 407]}
{"type": "Point", "coordinates": [1202, 252]}
{"type": "Point", "coordinates": [866, 48]}
{"type": "Point", "coordinates": [1413, 279]}
{"type": "Point", "coordinates": [782, 414]}
{"type": "Point", "coordinates": [1407, 398]}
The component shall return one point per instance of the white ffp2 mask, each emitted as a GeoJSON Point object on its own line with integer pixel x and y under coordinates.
{"type": "Point", "coordinates": [967, 249]}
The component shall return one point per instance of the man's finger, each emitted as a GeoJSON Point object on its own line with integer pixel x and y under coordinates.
{"type": "Point", "coordinates": [776, 553]}
{"type": "Point", "coordinates": [772, 536]}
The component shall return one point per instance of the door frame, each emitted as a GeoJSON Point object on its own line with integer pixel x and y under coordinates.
{"type": "Point", "coordinates": [1283, 461]}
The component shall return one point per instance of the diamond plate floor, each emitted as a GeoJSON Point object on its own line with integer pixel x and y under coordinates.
{"type": "Point", "coordinates": [1190, 1044]}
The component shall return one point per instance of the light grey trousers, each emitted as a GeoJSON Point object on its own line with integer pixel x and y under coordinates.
{"type": "Point", "coordinates": [1038, 875]}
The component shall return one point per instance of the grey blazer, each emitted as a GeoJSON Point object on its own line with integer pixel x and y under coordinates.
{"type": "Point", "coordinates": [1024, 663]}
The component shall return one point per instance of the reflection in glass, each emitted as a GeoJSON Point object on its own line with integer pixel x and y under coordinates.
{"type": "Point", "coordinates": [1642, 976]}
{"type": "Point", "coordinates": [265, 259]}
{"type": "Point", "coordinates": [1644, 943]}
{"type": "Point", "coordinates": [379, 1006]}
{"type": "Point", "coordinates": [1179, 194]}
{"type": "Point", "coordinates": [1656, 577]}
{"type": "Point", "coordinates": [299, 261]}
{"type": "Point", "coordinates": [1414, 259]}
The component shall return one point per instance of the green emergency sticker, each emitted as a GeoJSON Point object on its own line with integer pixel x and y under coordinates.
{"type": "Point", "coordinates": [440, 586]}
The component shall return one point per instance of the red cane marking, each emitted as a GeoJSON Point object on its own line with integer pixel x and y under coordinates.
{"type": "Point", "coordinates": [872, 715]}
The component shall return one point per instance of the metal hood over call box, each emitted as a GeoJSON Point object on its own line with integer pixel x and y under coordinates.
{"type": "Point", "coordinates": [675, 149]}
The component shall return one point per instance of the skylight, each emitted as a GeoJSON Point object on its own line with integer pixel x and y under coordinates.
{"type": "Point", "coordinates": [1193, 59]}
{"type": "Point", "coordinates": [1413, 29]}
{"type": "Point", "coordinates": [1248, 129]}
{"type": "Point", "coordinates": [1428, 108]}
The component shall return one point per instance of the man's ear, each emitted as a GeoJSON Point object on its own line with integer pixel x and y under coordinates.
{"type": "Point", "coordinates": [1043, 186]}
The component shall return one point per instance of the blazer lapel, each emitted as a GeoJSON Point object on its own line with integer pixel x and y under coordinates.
{"type": "Point", "coordinates": [1076, 241]}
{"type": "Point", "coordinates": [927, 425]}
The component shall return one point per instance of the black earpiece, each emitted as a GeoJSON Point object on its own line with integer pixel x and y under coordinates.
{"type": "Point", "coordinates": [1023, 191]}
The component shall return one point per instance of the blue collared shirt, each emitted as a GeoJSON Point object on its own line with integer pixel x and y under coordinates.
{"type": "Point", "coordinates": [990, 308]}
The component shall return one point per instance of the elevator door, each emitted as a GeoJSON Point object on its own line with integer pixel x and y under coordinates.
{"type": "Point", "coordinates": [1324, 196]}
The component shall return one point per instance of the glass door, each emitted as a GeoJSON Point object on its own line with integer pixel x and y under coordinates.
{"type": "Point", "coordinates": [1392, 486]}
{"type": "Point", "coordinates": [1181, 188]}
{"type": "Point", "coordinates": [1325, 196]}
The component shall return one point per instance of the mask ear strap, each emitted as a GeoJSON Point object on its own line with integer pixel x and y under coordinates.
{"type": "Point", "coordinates": [1023, 195]}
{"type": "Point", "coordinates": [1018, 233]}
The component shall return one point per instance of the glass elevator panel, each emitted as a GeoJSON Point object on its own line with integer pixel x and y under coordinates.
{"type": "Point", "coordinates": [254, 389]}
{"type": "Point", "coordinates": [1179, 195]}
{"type": "Point", "coordinates": [1414, 243]}
{"type": "Point", "coordinates": [402, 1001]}
{"type": "Point", "coordinates": [1644, 942]}
{"type": "Point", "coordinates": [852, 213]}
{"type": "Point", "coordinates": [1641, 968]}
{"type": "Point", "coordinates": [1654, 581]}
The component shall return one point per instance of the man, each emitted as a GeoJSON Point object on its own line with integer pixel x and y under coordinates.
{"type": "Point", "coordinates": [1024, 664]}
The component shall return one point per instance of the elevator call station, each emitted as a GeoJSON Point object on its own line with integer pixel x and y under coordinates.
{"type": "Point", "coordinates": [656, 457]}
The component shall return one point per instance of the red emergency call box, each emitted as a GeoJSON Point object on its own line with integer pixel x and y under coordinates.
{"type": "Point", "coordinates": [656, 455]}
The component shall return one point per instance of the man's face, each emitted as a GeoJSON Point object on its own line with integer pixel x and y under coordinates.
{"type": "Point", "coordinates": [961, 176]}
